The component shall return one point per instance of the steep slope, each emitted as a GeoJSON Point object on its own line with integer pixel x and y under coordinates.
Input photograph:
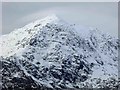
{"type": "Point", "coordinates": [55, 54]}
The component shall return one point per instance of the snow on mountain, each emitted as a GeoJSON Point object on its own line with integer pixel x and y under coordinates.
{"type": "Point", "coordinates": [56, 54]}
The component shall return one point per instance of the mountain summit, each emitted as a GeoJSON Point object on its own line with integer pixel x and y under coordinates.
{"type": "Point", "coordinates": [50, 53]}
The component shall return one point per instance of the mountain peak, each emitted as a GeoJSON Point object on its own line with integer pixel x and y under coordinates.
{"type": "Point", "coordinates": [52, 17]}
{"type": "Point", "coordinates": [55, 54]}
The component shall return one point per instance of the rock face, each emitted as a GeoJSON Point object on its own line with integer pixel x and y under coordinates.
{"type": "Point", "coordinates": [50, 53]}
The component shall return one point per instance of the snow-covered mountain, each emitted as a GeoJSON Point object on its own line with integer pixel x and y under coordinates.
{"type": "Point", "coordinates": [52, 53]}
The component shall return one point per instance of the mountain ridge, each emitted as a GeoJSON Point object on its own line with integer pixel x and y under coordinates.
{"type": "Point", "coordinates": [53, 54]}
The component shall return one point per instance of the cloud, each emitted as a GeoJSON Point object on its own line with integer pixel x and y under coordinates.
{"type": "Point", "coordinates": [38, 15]}
{"type": "Point", "coordinates": [43, 13]}
{"type": "Point", "coordinates": [0, 18]}
{"type": "Point", "coordinates": [71, 11]}
{"type": "Point", "coordinates": [93, 15]}
{"type": "Point", "coordinates": [60, 1]}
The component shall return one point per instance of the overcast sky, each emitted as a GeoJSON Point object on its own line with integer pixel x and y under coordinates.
{"type": "Point", "coordinates": [103, 16]}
